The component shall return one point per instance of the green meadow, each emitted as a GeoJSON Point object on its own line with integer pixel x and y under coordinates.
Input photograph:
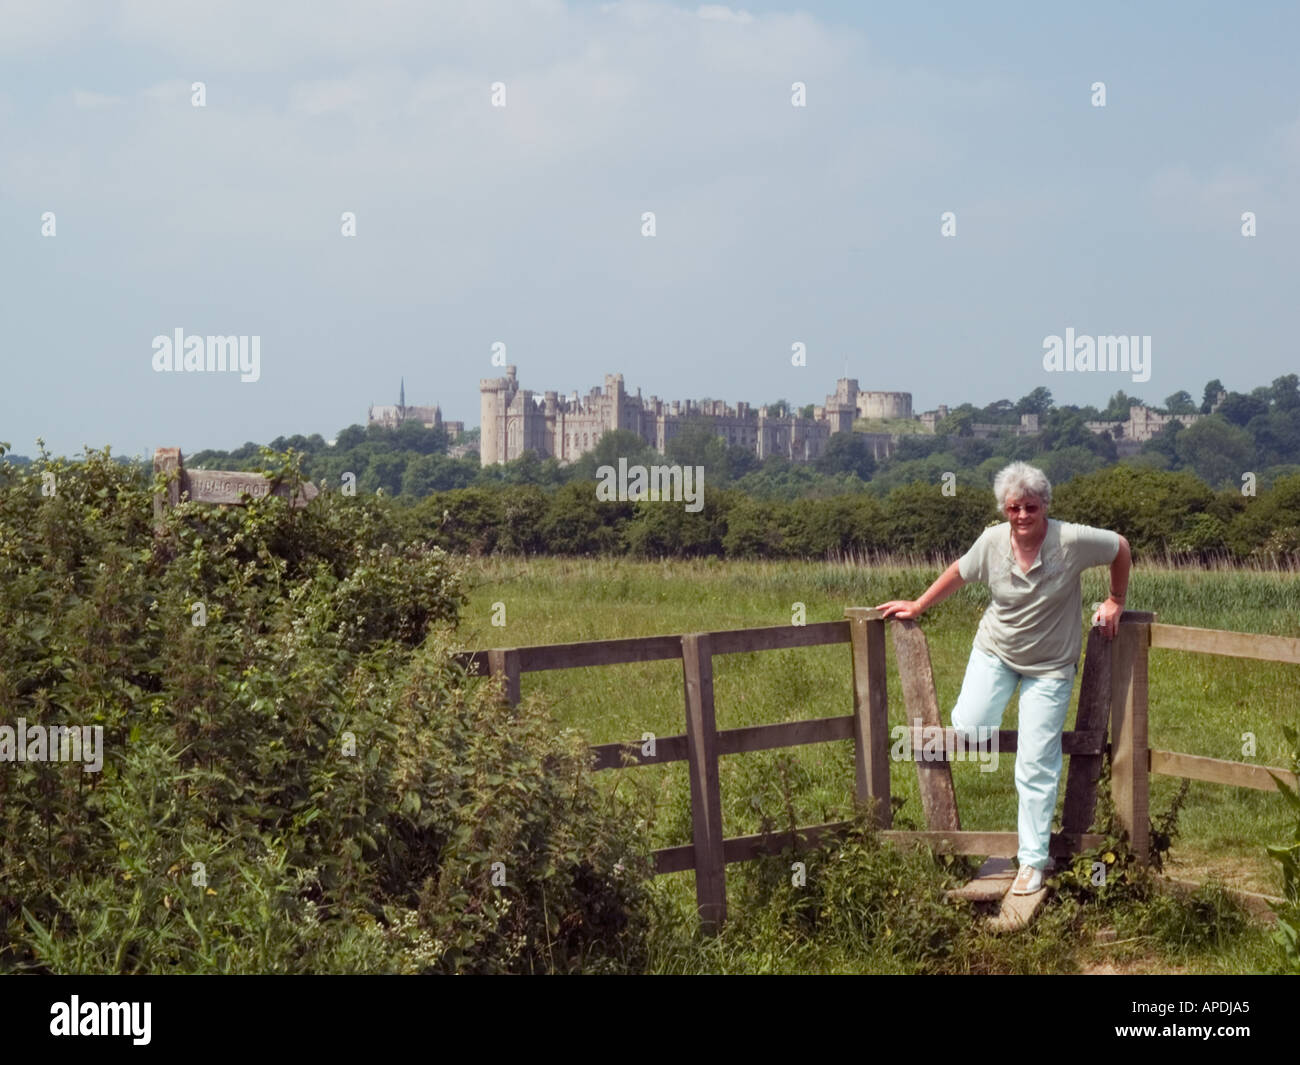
{"type": "Point", "coordinates": [1199, 705]}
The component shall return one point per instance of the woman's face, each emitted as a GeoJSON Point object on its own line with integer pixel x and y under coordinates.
{"type": "Point", "coordinates": [1026, 514]}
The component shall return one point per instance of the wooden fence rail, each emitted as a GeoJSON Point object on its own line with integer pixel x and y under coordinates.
{"type": "Point", "coordinates": [1112, 698]}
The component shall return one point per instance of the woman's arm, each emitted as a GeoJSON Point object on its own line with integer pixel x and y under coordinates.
{"type": "Point", "coordinates": [1113, 607]}
{"type": "Point", "coordinates": [910, 609]}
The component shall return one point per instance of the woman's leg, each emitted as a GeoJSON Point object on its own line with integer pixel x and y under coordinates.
{"type": "Point", "coordinates": [985, 692]}
{"type": "Point", "coordinates": [1043, 705]}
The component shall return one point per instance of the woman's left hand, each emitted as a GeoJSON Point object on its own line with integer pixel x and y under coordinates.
{"type": "Point", "coordinates": [1107, 617]}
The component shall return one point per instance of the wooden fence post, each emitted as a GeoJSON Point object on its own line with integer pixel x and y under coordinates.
{"type": "Point", "coordinates": [870, 712]}
{"type": "Point", "coordinates": [1128, 756]}
{"type": "Point", "coordinates": [706, 795]}
{"type": "Point", "coordinates": [504, 663]}
{"type": "Point", "coordinates": [166, 460]}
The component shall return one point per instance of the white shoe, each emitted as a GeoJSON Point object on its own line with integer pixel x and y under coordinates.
{"type": "Point", "coordinates": [1027, 881]}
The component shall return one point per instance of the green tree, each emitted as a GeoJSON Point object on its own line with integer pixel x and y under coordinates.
{"type": "Point", "coordinates": [613, 445]}
{"type": "Point", "coordinates": [1286, 392]}
{"type": "Point", "coordinates": [1180, 402]}
{"type": "Point", "coordinates": [385, 471]}
{"type": "Point", "coordinates": [1216, 450]}
{"type": "Point", "coordinates": [1060, 466]}
{"type": "Point", "coordinates": [841, 524]}
{"type": "Point", "coordinates": [665, 529]}
{"type": "Point", "coordinates": [1117, 409]}
{"type": "Point", "coordinates": [1271, 524]}
{"type": "Point", "coordinates": [957, 422]}
{"type": "Point", "coordinates": [847, 453]}
{"type": "Point", "coordinates": [1002, 411]}
{"type": "Point", "coordinates": [352, 436]}
{"type": "Point", "coordinates": [577, 523]}
{"type": "Point", "coordinates": [1239, 408]}
{"type": "Point", "coordinates": [426, 474]}
{"type": "Point", "coordinates": [698, 444]}
{"type": "Point", "coordinates": [1149, 507]}
{"type": "Point", "coordinates": [1211, 395]}
{"type": "Point", "coordinates": [920, 519]}
{"type": "Point", "coordinates": [1039, 402]}
{"type": "Point", "coordinates": [752, 530]}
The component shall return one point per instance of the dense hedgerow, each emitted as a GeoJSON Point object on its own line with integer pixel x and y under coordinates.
{"type": "Point", "coordinates": [1163, 515]}
{"type": "Point", "coordinates": [306, 782]}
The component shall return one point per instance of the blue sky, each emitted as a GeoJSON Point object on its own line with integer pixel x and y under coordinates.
{"type": "Point", "coordinates": [521, 224]}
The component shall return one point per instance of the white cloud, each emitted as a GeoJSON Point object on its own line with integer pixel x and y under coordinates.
{"type": "Point", "coordinates": [722, 13]}
{"type": "Point", "coordinates": [93, 101]}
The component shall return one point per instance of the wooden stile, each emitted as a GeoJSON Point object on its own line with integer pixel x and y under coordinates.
{"type": "Point", "coordinates": [1113, 691]}
{"type": "Point", "coordinates": [1093, 715]}
{"type": "Point", "coordinates": [938, 799]}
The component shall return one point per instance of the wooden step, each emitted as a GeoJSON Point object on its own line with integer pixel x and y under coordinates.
{"type": "Point", "coordinates": [1018, 911]}
{"type": "Point", "coordinates": [991, 882]}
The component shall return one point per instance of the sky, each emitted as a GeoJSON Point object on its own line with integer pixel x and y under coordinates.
{"type": "Point", "coordinates": [522, 225]}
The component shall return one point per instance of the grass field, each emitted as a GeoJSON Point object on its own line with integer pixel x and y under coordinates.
{"type": "Point", "coordinates": [1199, 705]}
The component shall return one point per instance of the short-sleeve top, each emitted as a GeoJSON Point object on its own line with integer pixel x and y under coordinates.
{"type": "Point", "coordinates": [1034, 623]}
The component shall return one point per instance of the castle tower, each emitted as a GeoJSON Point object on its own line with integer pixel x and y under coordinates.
{"type": "Point", "coordinates": [495, 396]}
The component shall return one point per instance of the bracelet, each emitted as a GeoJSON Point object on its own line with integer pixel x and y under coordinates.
{"type": "Point", "coordinates": [1118, 598]}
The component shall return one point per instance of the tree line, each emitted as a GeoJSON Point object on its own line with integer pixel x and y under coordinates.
{"type": "Point", "coordinates": [1161, 513]}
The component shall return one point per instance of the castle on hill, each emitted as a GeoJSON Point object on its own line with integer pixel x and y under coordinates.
{"type": "Point", "coordinates": [516, 420]}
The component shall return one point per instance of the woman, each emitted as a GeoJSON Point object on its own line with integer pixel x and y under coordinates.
{"type": "Point", "coordinates": [1030, 635]}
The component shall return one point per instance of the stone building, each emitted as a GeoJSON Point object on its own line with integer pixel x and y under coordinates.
{"type": "Point", "coordinates": [879, 405]}
{"type": "Point", "coordinates": [1027, 426]}
{"type": "Point", "coordinates": [1142, 424]}
{"type": "Point", "coordinates": [515, 420]}
{"type": "Point", "coordinates": [391, 416]}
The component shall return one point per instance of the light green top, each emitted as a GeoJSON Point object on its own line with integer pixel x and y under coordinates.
{"type": "Point", "coordinates": [1034, 621]}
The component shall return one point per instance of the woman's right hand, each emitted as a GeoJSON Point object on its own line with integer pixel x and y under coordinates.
{"type": "Point", "coordinates": [903, 609]}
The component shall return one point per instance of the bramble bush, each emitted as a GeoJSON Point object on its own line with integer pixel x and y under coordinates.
{"type": "Point", "coordinates": [306, 781]}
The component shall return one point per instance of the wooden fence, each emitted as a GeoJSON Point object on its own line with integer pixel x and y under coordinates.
{"type": "Point", "coordinates": [1112, 698]}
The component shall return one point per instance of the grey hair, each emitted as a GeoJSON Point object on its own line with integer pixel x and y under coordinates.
{"type": "Point", "coordinates": [1021, 479]}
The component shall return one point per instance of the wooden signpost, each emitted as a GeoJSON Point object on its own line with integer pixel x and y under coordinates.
{"type": "Point", "coordinates": [229, 487]}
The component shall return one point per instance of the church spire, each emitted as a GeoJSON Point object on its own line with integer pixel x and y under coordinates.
{"type": "Point", "coordinates": [401, 400]}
